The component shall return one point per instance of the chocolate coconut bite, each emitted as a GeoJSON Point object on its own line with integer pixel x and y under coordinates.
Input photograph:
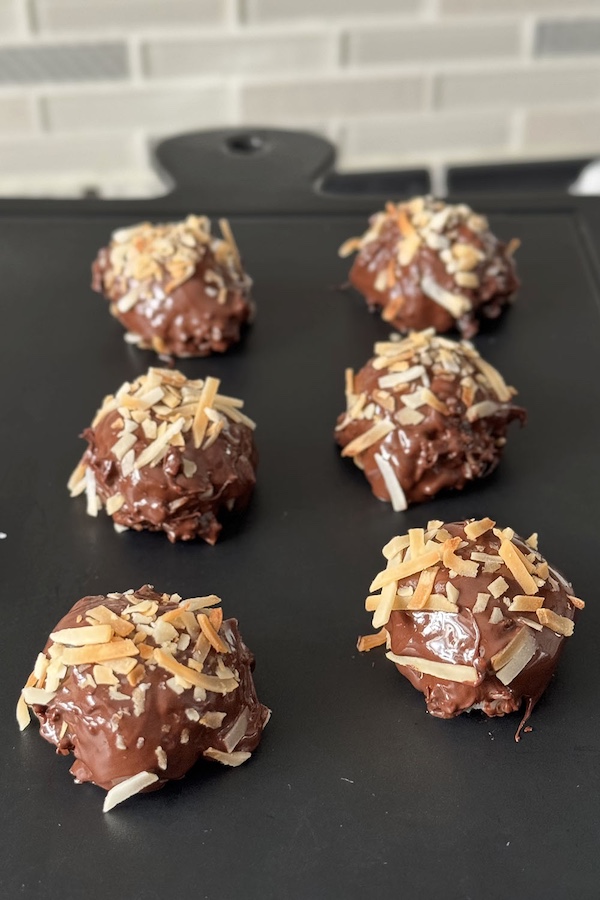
{"type": "Point", "coordinates": [426, 263]}
{"type": "Point", "coordinates": [168, 454]}
{"type": "Point", "coordinates": [176, 288]}
{"type": "Point", "coordinates": [424, 414]}
{"type": "Point", "coordinates": [472, 615]}
{"type": "Point", "coordinates": [139, 686]}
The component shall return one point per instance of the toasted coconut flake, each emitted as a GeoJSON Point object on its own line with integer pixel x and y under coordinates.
{"type": "Point", "coordinates": [503, 392]}
{"type": "Point", "coordinates": [455, 304]}
{"type": "Point", "coordinates": [123, 445]}
{"type": "Point", "coordinates": [475, 529]}
{"type": "Point", "coordinates": [228, 759]}
{"type": "Point", "coordinates": [237, 731]}
{"type": "Point", "coordinates": [513, 658]}
{"type": "Point", "coordinates": [403, 570]}
{"type": "Point", "coordinates": [525, 603]}
{"type": "Point", "coordinates": [154, 450]}
{"type": "Point", "coordinates": [497, 587]}
{"type": "Point", "coordinates": [121, 666]}
{"type": "Point", "coordinates": [434, 524]}
{"type": "Point", "coordinates": [396, 378]}
{"type": "Point", "coordinates": [452, 592]}
{"type": "Point", "coordinates": [416, 537]}
{"type": "Point", "coordinates": [76, 483]}
{"type": "Point", "coordinates": [409, 416]}
{"type": "Point", "coordinates": [128, 788]}
{"type": "Point", "coordinates": [496, 616]}
{"type": "Point", "coordinates": [23, 716]}
{"type": "Point", "coordinates": [102, 614]}
{"type": "Point", "coordinates": [465, 567]}
{"type": "Point", "coordinates": [114, 503]}
{"type": "Point", "coordinates": [481, 603]}
{"type": "Point", "coordinates": [376, 433]}
{"type": "Point", "coordinates": [368, 641]}
{"type": "Point", "coordinates": [209, 682]}
{"type": "Point", "coordinates": [395, 546]}
{"type": "Point", "coordinates": [349, 247]}
{"type": "Point", "coordinates": [530, 622]}
{"type": "Point", "coordinates": [435, 603]}
{"type": "Point", "coordinates": [558, 624]}
{"type": "Point", "coordinates": [384, 608]}
{"type": "Point", "coordinates": [579, 604]}
{"type": "Point", "coordinates": [211, 635]}
{"type": "Point", "coordinates": [90, 491]}
{"type": "Point", "coordinates": [37, 696]}
{"type": "Point", "coordinates": [482, 410]}
{"type": "Point", "coordinates": [194, 603]}
{"type": "Point", "coordinates": [98, 653]}
{"type": "Point", "coordinates": [504, 656]}
{"type": "Point", "coordinates": [423, 589]}
{"type": "Point", "coordinates": [372, 602]}
{"type": "Point", "coordinates": [408, 248]}
{"type": "Point", "coordinates": [394, 488]}
{"type": "Point", "coordinates": [136, 675]}
{"type": "Point", "coordinates": [466, 279]}
{"type": "Point", "coordinates": [215, 617]}
{"type": "Point", "coordinates": [516, 563]}
{"type": "Point", "coordinates": [87, 634]}
{"type": "Point", "coordinates": [443, 671]}
{"type": "Point", "coordinates": [104, 675]}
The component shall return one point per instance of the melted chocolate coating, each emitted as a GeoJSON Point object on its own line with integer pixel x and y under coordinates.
{"type": "Point", "coordinates": [468, 638]}
{"type": "Point", "coordinates": [111, 743]}
{"type": "Point", "coordinates": [188, 320]}
{"type": "Point", "coordinates": [498, 282]}
{"type": "Point", "coordinates": [162, 497]}
{"type": "Point", "coordinates": [442, 451]}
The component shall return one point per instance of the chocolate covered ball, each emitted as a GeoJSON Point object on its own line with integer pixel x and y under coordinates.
{"type": "Point", "coordinates": [139, 686]}
{"type": "Point", "coordinates": [176, 288]}
{"type": "Point", "coordinates": [472, 615]}
{"type": "Point", "coordinates": [168, 454]}
{"type": "Point", "coordinates": [424, 414]}
{"type": "Point", "coordinates": [427, 263]}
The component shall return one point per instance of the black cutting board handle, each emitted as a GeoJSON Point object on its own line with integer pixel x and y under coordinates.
{"type": "Point", "coordinates": [247, 169]}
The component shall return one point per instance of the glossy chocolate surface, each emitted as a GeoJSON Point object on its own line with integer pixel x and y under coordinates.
{"type": "Point", "coordinates": [185, 489]}
{"type": "Point", "coordinates": [405, 304]}
{"type": "Point", "coordinates": [472, 638]}
{"type": "Point", "coordinates": [443, 450]}
{"type": "Point", "coordinates": [200, 312]}
{"type": "Point", "coordinates": [118, 731]}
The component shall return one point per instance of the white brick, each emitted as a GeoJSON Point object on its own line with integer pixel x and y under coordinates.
{"type": "Point", "coordinates": [9, 19]}
{"type": "Point", "coordinates": [568, 37]}
{"type": "Point", "coordinates": [35, 63]}
{"type": "Point", "coordinates": [536, 85]}
{"type": "Point", "coordinates": [294, 10]}
{"type": "Point", "coordinates": [435, 42]}
{"type": "Point", "coordinates": [16, 115]}
{"type": "Point", "coordinates": [411, 136]}
{"type": "Point", "coordinates": [491, 8]}
{"type": "Point", "coordinates": [74, 155]}
{"type": "Point", "coordinates": [238, 54]}
{"type": "Point", "coordinates": [268, 103]}
{"type": "Point", "coordinates": [556, 130]}
{"type": "Point", "coordinates": [113, 15]}
{"type": "Point", "coordinates": [159, 109]}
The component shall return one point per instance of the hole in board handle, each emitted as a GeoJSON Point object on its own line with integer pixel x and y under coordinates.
{"type": "Point", "coordinates": [245, 144]}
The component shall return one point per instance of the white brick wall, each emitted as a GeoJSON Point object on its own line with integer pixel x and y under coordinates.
{"type": "Point", "coordinates": [86, 86]}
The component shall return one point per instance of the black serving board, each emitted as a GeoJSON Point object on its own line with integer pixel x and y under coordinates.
{"type": "Point", "coordinates": [355, 791]}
